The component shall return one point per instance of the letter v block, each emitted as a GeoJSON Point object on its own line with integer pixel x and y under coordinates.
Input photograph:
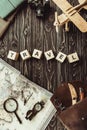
{"type": "Point", "coordinates": [37, 54]}
{"type": "Point", "coordinates": [49, 55]}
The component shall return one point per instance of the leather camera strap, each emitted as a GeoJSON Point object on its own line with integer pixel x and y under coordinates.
{"type": "Point", "coordinates": [73, 93]}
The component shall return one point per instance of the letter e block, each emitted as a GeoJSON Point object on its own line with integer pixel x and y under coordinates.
{"type": "Point", "coordinates": [25, 55]}
{"type": "Point", "coordinates": [13, 55]}
{"type": "Point", "coordinates": [73, 57]}
{"type": "Point", "coordinates": [61, 57]}
{"type": "Point", "coordinates": [49, 55]}
{"type": "Point", "coordinates": [37, 54]}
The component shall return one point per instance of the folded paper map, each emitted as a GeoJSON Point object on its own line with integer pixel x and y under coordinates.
{"type": "Point", "coordinates": [15, 86]}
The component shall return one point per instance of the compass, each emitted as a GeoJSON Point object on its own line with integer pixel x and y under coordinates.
{"type": "Point", "coordinates": [37, 108]}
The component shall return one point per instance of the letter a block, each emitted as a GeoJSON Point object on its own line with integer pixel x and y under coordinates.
{"type": "Point", "coordinates": [73, 57]}
{"type": "Point", "coordinates": [49, 55]}
{"type": "Point", "coordinates": [61, 57]}
{"type": "Point", "coordinates": [13, 55]}
{"type": "Point", "coordinates": [25, 55]}
{"type": "Point", "coordinates": [37, 54]}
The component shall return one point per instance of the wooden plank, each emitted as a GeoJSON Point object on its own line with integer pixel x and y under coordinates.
{"type": "Point", "coordinates": [25, 32]}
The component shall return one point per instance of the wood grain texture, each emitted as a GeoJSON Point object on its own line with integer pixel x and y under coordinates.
{"type": "Point", "coordinates": [28, 32]}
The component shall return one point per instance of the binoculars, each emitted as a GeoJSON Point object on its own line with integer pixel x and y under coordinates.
{"type": "Point", "coordinates": [41, 7]}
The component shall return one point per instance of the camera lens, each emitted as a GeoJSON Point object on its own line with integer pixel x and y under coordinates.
{"type": "Point", "coordinates": [34, 3]}
{"type": "Point", "coordinates": [40, 11]}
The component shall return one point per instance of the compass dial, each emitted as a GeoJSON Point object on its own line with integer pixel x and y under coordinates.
{"type": "Point", "coordinates": [38, 107]}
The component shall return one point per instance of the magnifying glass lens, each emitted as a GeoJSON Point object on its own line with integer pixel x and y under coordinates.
{"type": "Point", "coordinates": [10, 105]}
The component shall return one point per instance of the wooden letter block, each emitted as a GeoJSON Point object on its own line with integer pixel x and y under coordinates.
{"type": "Point", "coordinates": [25, 55]}
{"type": "Point", "coordinates": [13, 55]}
{"type": "Point", "coordinates": [37, 54]}
{"type": "Point", "coordinates": [61, 57]}
{"type": "Point", "coordinates": [49, 55]}
{"type": "Point", "coordinates": [73, 57]}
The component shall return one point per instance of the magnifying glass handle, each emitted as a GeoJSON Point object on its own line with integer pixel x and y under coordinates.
{"type": "Point", "coordinates": [18, 118]}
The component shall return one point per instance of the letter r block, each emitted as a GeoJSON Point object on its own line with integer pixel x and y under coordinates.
{"type": "Point", "coordinates": [25, 55]}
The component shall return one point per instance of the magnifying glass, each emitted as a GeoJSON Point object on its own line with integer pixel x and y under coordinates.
{"type": "Point", "coordinates": [11, 106]}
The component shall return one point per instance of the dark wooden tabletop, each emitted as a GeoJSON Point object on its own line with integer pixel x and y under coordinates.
{"type": "Point", "coordinates": [28, 32]}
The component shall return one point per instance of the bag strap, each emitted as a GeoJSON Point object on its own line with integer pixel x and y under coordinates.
{"type": "Point", "coordinates": [73, 93]}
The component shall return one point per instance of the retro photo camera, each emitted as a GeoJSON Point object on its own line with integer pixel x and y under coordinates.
{"type": "Point", "coordinates": [42, 8]}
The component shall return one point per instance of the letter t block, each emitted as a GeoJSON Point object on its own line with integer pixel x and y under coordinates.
{"type": "Point", "coordinates": [13, 55]}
